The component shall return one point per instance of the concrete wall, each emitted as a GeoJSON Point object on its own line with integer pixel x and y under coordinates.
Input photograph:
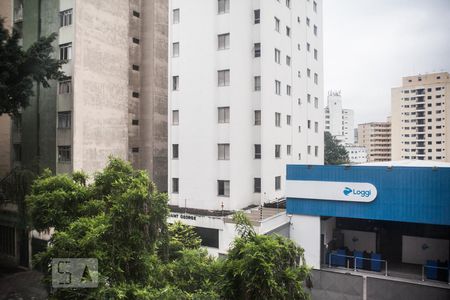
{"type": "Point", "coordinates": [153, 101]}
{"type": "Point", "coordinates": [100, 81]}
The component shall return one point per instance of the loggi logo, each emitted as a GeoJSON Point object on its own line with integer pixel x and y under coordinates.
{"type": "Point", "coordinates": [347, 191]}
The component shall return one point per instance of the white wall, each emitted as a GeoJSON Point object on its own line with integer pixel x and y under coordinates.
{"type": "Point", "coordinates": [327, 227]}
{"type": "Point", "coordinates": [413, 251]}
{"type": "Point", "coordinates": [364, 240]}
{"type": "Point", "coordinates": [305, 231]}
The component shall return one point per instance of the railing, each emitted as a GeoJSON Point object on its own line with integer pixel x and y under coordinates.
{"type": "Point", "coordinates": [355, 258]}
{"type": "Point", "coordinates": [438, 268]}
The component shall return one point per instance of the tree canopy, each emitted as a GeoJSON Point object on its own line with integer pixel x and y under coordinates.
{"type": "Point", "coordinates": [119, 218]}
{"type": "Point", "coordinates": [335, 153]}
{"type": "Point", "coordinates": [20, 68]}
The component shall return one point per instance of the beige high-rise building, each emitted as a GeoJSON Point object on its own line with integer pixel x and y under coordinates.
{"type": "Point", "coordinates": [421, 118]}
{"type": "Point", "coordinates": [376, 138]}
{"type": "Point", "coordinates": [114, 101]}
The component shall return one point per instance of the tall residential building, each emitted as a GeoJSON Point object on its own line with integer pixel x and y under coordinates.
{"type": "Point", "coordinates": [114, 101]}
{"type": "Point", "coordinates": [338, 120]}
{"type": "Point", "coordinates": [5, 120]}
{"type": "Point", "coordinates": [356, 154]}
{"type": "Point", "coordinates": [245, 99]}
{"type": "Point", "coordinates": [421, 118]}
{"type": "Point", "coordinates": [376, 138]}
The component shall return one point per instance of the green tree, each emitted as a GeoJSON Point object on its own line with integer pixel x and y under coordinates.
{"type": "Point", "coordinates": [19, 69]}
{"type": "Point", "coordinates": [335, 153]}
{"type": "Point", "coordinates": [263, 266]}
{"type": "Point", "coordinates": [182, 237]}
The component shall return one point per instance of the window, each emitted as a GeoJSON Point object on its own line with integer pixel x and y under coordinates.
{"type": "Point", "coordinates": [223, 151]}
{"type": "Point", "coordinates": [277, 151]}
{"type": "Point", "coordinates": [136, 14]}
{"type": "Point", "coordinates": [308, 98]}
{"type": "Point", "coordinates": [65, 51]}
{"type": "Point", "coordinates": [277, 87]}
{"type": "Point", "coordinates": [288, 60]}
{"type": "Point", "coordinates": [257, 151]}
{"type": "Point", "coordinates": [277, 56]}
{"type": "Point", "coordinates": [257, 117]}
{"type": "Point", "coordinates": [309, 124]}
{"type": "Point", "coordinates": [135, 150]}
{"type": "Point", "coordinates": [65, 86]}
{"type": "Point", "coordinates": [175, 151]}
{"type": "Point", "coordinates": [65, 18]}
{"type": "Point", "coordinates": [315, 30]}
{"type": "Point", "coordinates": [175, 185]}
{"type": "Point", "coordinates": [316, 151]}
{"type": "Point", "coordinates": [257, 16]}
{"type": "Point", "coordinates": [223, 188]}
{"type": "Point", "coordinates": [176, 16]}
{"type": "Point", "coordinates": [277, 182]}
{"type": "Point", "coordinates": [64, 119]}
{"type": "Point", "coordinates": [257, 83]}
{"type": "Point", "coordinates": [135, 95]}
{"type": "Point", "coordinates": [175, 83]}
{"type": "Point", "coordinates": [316, 127]}
{"type": "Point", "coordinates": [316, 102]}
{"type": "Point", "coordinates": [223, 41]}
{"type": "Point", "coordinates": [315, 6]}
{"type": "Point", "coordinates": [308, 72]}
{"type": "Point", "coordinates": [257, 49]}
{"type": "Point", "coordinates": [308, 47]}
{"type": "Point", "coordinates": [257, 185]}
{"type": "Point", "coordinates": [288, 149]}
{"type": "Point", "coordinates": [223, 114]}
{"type": "Point", "coordinates": [224, 6]}
{"type": "Point", "coordinates": [309, 149]}
{"type": "Point", "coordinates": [135, 67]}
{"type": "Point", "coordinates": [288, 90]}
{"type": "Point", "coordinates": [307, 21]}
{"type": "Point", "coordinates": [288, 31]}
{"type": "Point", "coordinates": [277, 24]}
{"type": "Point", "coordinates": [175, 117]}
{"type": "Point", "coordinates": [134, 122]}
{"type": "Point", "coordinates": [316, 78]}
{"type": "Point", "coordinates": [17, 152]}
{"type": "Point", "coordinates": [223, 77]}
{"type": "Point", "coordinates": [288, 3]}
{"type": "Point", "coordinates": [278, 119]}
{"type": "Point", "coordinates": [288, 119]}
{"type": "Point", "coordinates": [316, 54]}
{"type": "Point", "coordinates": [136, 41]}
{"type": "Point", "coordinates": [64, 153]}
{"type": "Point", "coordinates": [176, 49]}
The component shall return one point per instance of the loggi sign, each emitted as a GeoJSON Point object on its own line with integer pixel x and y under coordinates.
{"type": "Point", "coordinates": [331, 190]}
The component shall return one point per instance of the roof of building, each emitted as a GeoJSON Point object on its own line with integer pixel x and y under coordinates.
{"type": "Point", "coordinates": [409, 163]}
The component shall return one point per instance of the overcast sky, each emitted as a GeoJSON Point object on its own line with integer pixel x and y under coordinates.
{"type": "Point", "coordinates": [370, 44]}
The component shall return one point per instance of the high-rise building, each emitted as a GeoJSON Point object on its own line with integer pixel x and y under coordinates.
{"type": "Point", "coordinates": [114, 101]}
{"type": "Point", "coordinates": [338, 120]}
{"type": "Point", "coordinates": [245, 99]}
{"type": "Point", "coordinates": [376, 138]}
{"type": "Point", "coordinates": [5, 120]}
{"type": "Point", "coordinates": [421, 118]}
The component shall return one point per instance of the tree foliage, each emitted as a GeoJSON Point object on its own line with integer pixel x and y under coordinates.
{"type": "Point", "coordinates": [120, 218]}
{"type": "Point", "coordinates": [19, 69]}
{"type": "Point", "coordinates": [335, 153]}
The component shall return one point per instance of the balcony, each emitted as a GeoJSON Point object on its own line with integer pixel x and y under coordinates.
{"type": "Point", "coordinates": [420, 107]}
{"type": "Point", "coordinates": [420, 92]}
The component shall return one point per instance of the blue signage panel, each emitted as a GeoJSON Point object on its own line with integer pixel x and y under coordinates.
{"type": "Point", "coordinates": [405, 194]}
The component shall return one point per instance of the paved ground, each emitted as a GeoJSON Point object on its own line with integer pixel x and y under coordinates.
{"type": "Point", "coordinates": [21, 284]}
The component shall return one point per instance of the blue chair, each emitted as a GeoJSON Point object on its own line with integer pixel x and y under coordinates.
{"type": "Point", "coordinates": [340, 259]}
{"type": "Point", "coordinates": [430, 270]}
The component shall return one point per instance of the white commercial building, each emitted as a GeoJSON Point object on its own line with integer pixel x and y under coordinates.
{"type": "Point", "coordinates": [339, 121]}
{"type": "Point", "coordinates": [356, 154]}
{"type": "Point", "coordinates": [245, 99]}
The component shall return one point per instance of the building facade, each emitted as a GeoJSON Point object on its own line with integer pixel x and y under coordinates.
{"type": "Point", "coordinates": [114, 101]}
{"type": "Point", "coordinates": [376, 138]}
{"type": "Point", "coordinates": [421, 118]}
{"type": "Point", "coordinates": [245, 99]}
{"type": "Point", "coordinates": [356, 154]}
{"type": "Point", "coordinates": [338, 121]}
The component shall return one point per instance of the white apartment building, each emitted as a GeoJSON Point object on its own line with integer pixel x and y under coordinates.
{"type": "Point", "coordinates": [245, 99]}
{"type": "Point", "coordinates": [356, 154]}
{"type": "Point", "coordinates": [339, 121]}
{"type": "Point", "coordinates": [421, 118]}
